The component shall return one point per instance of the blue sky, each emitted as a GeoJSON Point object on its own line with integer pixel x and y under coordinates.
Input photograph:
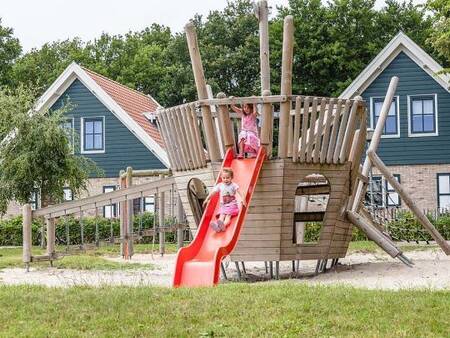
{"type": "Point", "coordinates": [38, 21]}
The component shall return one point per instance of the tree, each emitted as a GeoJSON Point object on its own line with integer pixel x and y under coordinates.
{"type": "Point", "coordinates": [40, 67]}
{"type": "Point", "coordinates": [36, 153]}
{"type": "Point", "coordinates": [10, 50]}
{"type": "Point", "coordinates": [440, 36]}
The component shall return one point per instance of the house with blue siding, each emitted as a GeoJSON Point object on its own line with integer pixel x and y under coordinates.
{"type": "Point", "coordinates": [416, 140]}
{"type": "Point", "coordinates": [111, 124]}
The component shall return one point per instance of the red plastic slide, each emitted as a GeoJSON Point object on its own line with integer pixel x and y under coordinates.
{"type": "Point", "coordinates": [199, 263]}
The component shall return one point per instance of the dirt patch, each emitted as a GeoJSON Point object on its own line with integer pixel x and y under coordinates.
{"type": "Point", "coordinates": [365, 270]}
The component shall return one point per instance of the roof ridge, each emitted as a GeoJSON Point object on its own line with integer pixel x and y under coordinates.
{"type": "Point", "coordinates": [149, 97]}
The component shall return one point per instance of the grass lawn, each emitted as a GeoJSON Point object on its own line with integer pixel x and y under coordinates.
{"type": "Point", "coordinates": [284, 309]}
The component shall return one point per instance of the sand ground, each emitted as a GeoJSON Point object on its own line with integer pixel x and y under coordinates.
{"type": "Point", "coordinates": [363, 270]}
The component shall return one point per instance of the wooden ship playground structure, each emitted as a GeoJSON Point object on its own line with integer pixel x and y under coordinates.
{"type": "Point", "coordinates": [313, 176]}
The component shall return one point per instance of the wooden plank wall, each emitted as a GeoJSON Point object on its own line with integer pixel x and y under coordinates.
{"type": "Point", "coordinates": [268, 231]}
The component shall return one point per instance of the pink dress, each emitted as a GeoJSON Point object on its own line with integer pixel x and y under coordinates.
{"type": "Point", "coordinates": [228, 202]}
{"type": "Point", "coordinates": [249, 133]}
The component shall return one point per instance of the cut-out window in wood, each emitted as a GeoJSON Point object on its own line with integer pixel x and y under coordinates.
{"type": "Point", "coordinates": [311, 200]}
{"type": "Point", "coordinates": [197, 193]}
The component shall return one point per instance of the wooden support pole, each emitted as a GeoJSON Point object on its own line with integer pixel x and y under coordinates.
{"type": "Point", "coordinates": [327, 131]}
{"type": "Point", "coordinates": [27, 219]}
{"type": "Point", "coordinates": [312, 128]}
{"type": "Point", "coordinates": [267, 126]}
{"type": "Point", "coordinates": [161, 214]}
{"type": "Point", "coordinates": [334, 132]}
{"type": "Point", "coordinates": [263, 16]}
{"type": "Point", "coordinates": [130, 216]}
{"type": "Point", "coordinates": [342, 128]}
{"type": "Point", "coordinates": [200, 83]}
{"type": "Point", "coordinates": [374, 234]}
{"type": "Point", "coordinates": [51, 237]}
{"type": "Point", "coordinates": [360, 191]}
{"type": "Point", "coordinates": [224, 120]}
{"type": "Point", "coordinates": [123, 213]}
{"type": "Point", "coordinates": [319, 132]}
{"type": "Point", "coordinates": [180, 220]}
{"type": "Point", "coordinates": [286, 84]}
{"type": "Point", "coordinates": [290, 136]}
{"type": "Point", "coordinates": [409, 202]}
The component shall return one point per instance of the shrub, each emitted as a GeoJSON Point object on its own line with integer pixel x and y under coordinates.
{"type": "Point", "coordinates": [11, 230]}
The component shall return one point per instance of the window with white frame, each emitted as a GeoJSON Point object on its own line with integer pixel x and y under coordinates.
{"type": "Point", "coordinates": [68, 194]}
{"type": "Point", "coordinates": [392, 197]}
{"type": "Point", "coordinates": [422, 115]}
{"type": "Point", "coordinates": [149, 204]}
{"type": "Point", "coordinates": [93, 138]}
{"type": "Point", "coordinates": [391, 126]}
{"type": "Point", "coordinates": [145, 204]}
{"type": "Point", "coordinates": [381, 194]}
{"type": "Point", "coordinates": [443, 191]}
{"type": "Point", "coordinates": [374, 194]}
{"type": "Point", "coordinates": [109, 211]}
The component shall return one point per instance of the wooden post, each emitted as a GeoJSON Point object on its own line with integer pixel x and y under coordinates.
{"type": "Point", "coordinates": [374, 234]}
{"type": "Point", "coordinates": [286, 84]}
{"type": "Point", "coordinates": [409, 202]}
{"type": "Point", "coordinates": [51, 237]}
{"type": "Point", "coordinates": [180, 230]}
{"type": "Point", "coordinates": [326, 134]}
{"type": "Point", "coordinates": [350, 130]}
{"type": "Point", "coordinates": [202, 93]}
{"type": "Point", "coordinates": [263, 16]}
{"type": "Point", "coordinates": [123, 213]}
{"type": "Point", "coordinates": [129, 220]}
{"type": "Point", "coordinates": [224, 120]}
{"type": "Point", "coordinates": [27, 219]}
{"type": "Point", "coordinates": [360, 191]}
{"type": "Point", "coordinates": [267, 126]}
{"type": "Point", "coordinates": [302, 151]}
{"type": "Point", "coordinates": [161, 214]}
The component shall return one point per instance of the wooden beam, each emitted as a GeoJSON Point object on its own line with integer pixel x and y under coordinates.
{"type": "Point", "coordinates": [312, 128]}
{"type": "Point", "coordinates": [349, 131]}
{"type": "Point", "coordinates": [202, 93]}
{"type": "Point", "coordinates": [263, 16]}
{"type": "Point", "coordinates": [27, 238]}
{"type": "Point", "coordinates": [242, 100]}
{"type": "Point", "coordinates": [360, 191]}
{"type": "Point", "coordinates": [104, 199]}
{"type": "Point", "coordinates": [267, 127]}
{"type": "Point", "coordinates": [51, 236]}
{"type": "Point", "coordinates": [286, 84]}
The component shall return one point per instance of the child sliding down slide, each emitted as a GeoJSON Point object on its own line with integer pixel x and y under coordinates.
{"type": "Point", "coordinates": [248, 136]}
{"type": "Point", "coordinates": [228, 203]}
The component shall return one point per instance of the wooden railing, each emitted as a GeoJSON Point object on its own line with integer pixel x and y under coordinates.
{"type": "Point", "coordinates": [320, 129]}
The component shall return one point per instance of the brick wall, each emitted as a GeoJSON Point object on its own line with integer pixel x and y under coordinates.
{"type": "Point", "coordinates": [420, 181]}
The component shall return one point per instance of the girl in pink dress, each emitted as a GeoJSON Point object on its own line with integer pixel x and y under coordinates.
{"type": "Point", "coordinates": [228, 203]}
{"type": "Point", "coordinates": [248, 136]}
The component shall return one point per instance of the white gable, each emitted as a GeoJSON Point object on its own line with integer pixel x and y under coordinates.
{"type": "Point", "coordinates": [400, 43]}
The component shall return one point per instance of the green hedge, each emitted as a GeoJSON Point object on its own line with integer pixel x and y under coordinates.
{"type": "Point", "coordinates": [11, 230]}
{"type": "Point", "coordinates": [406, 227]}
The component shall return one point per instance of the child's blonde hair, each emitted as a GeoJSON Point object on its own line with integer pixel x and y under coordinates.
{"type": "Point", "coordinates": [228, 171]}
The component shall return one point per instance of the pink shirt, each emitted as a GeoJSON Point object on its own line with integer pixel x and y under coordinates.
{"type": "Point", "coordinates": [249, 123]}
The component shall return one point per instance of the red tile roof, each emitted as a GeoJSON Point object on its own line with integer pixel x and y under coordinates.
{"type": "Point", "coordinates": [132, 101]}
